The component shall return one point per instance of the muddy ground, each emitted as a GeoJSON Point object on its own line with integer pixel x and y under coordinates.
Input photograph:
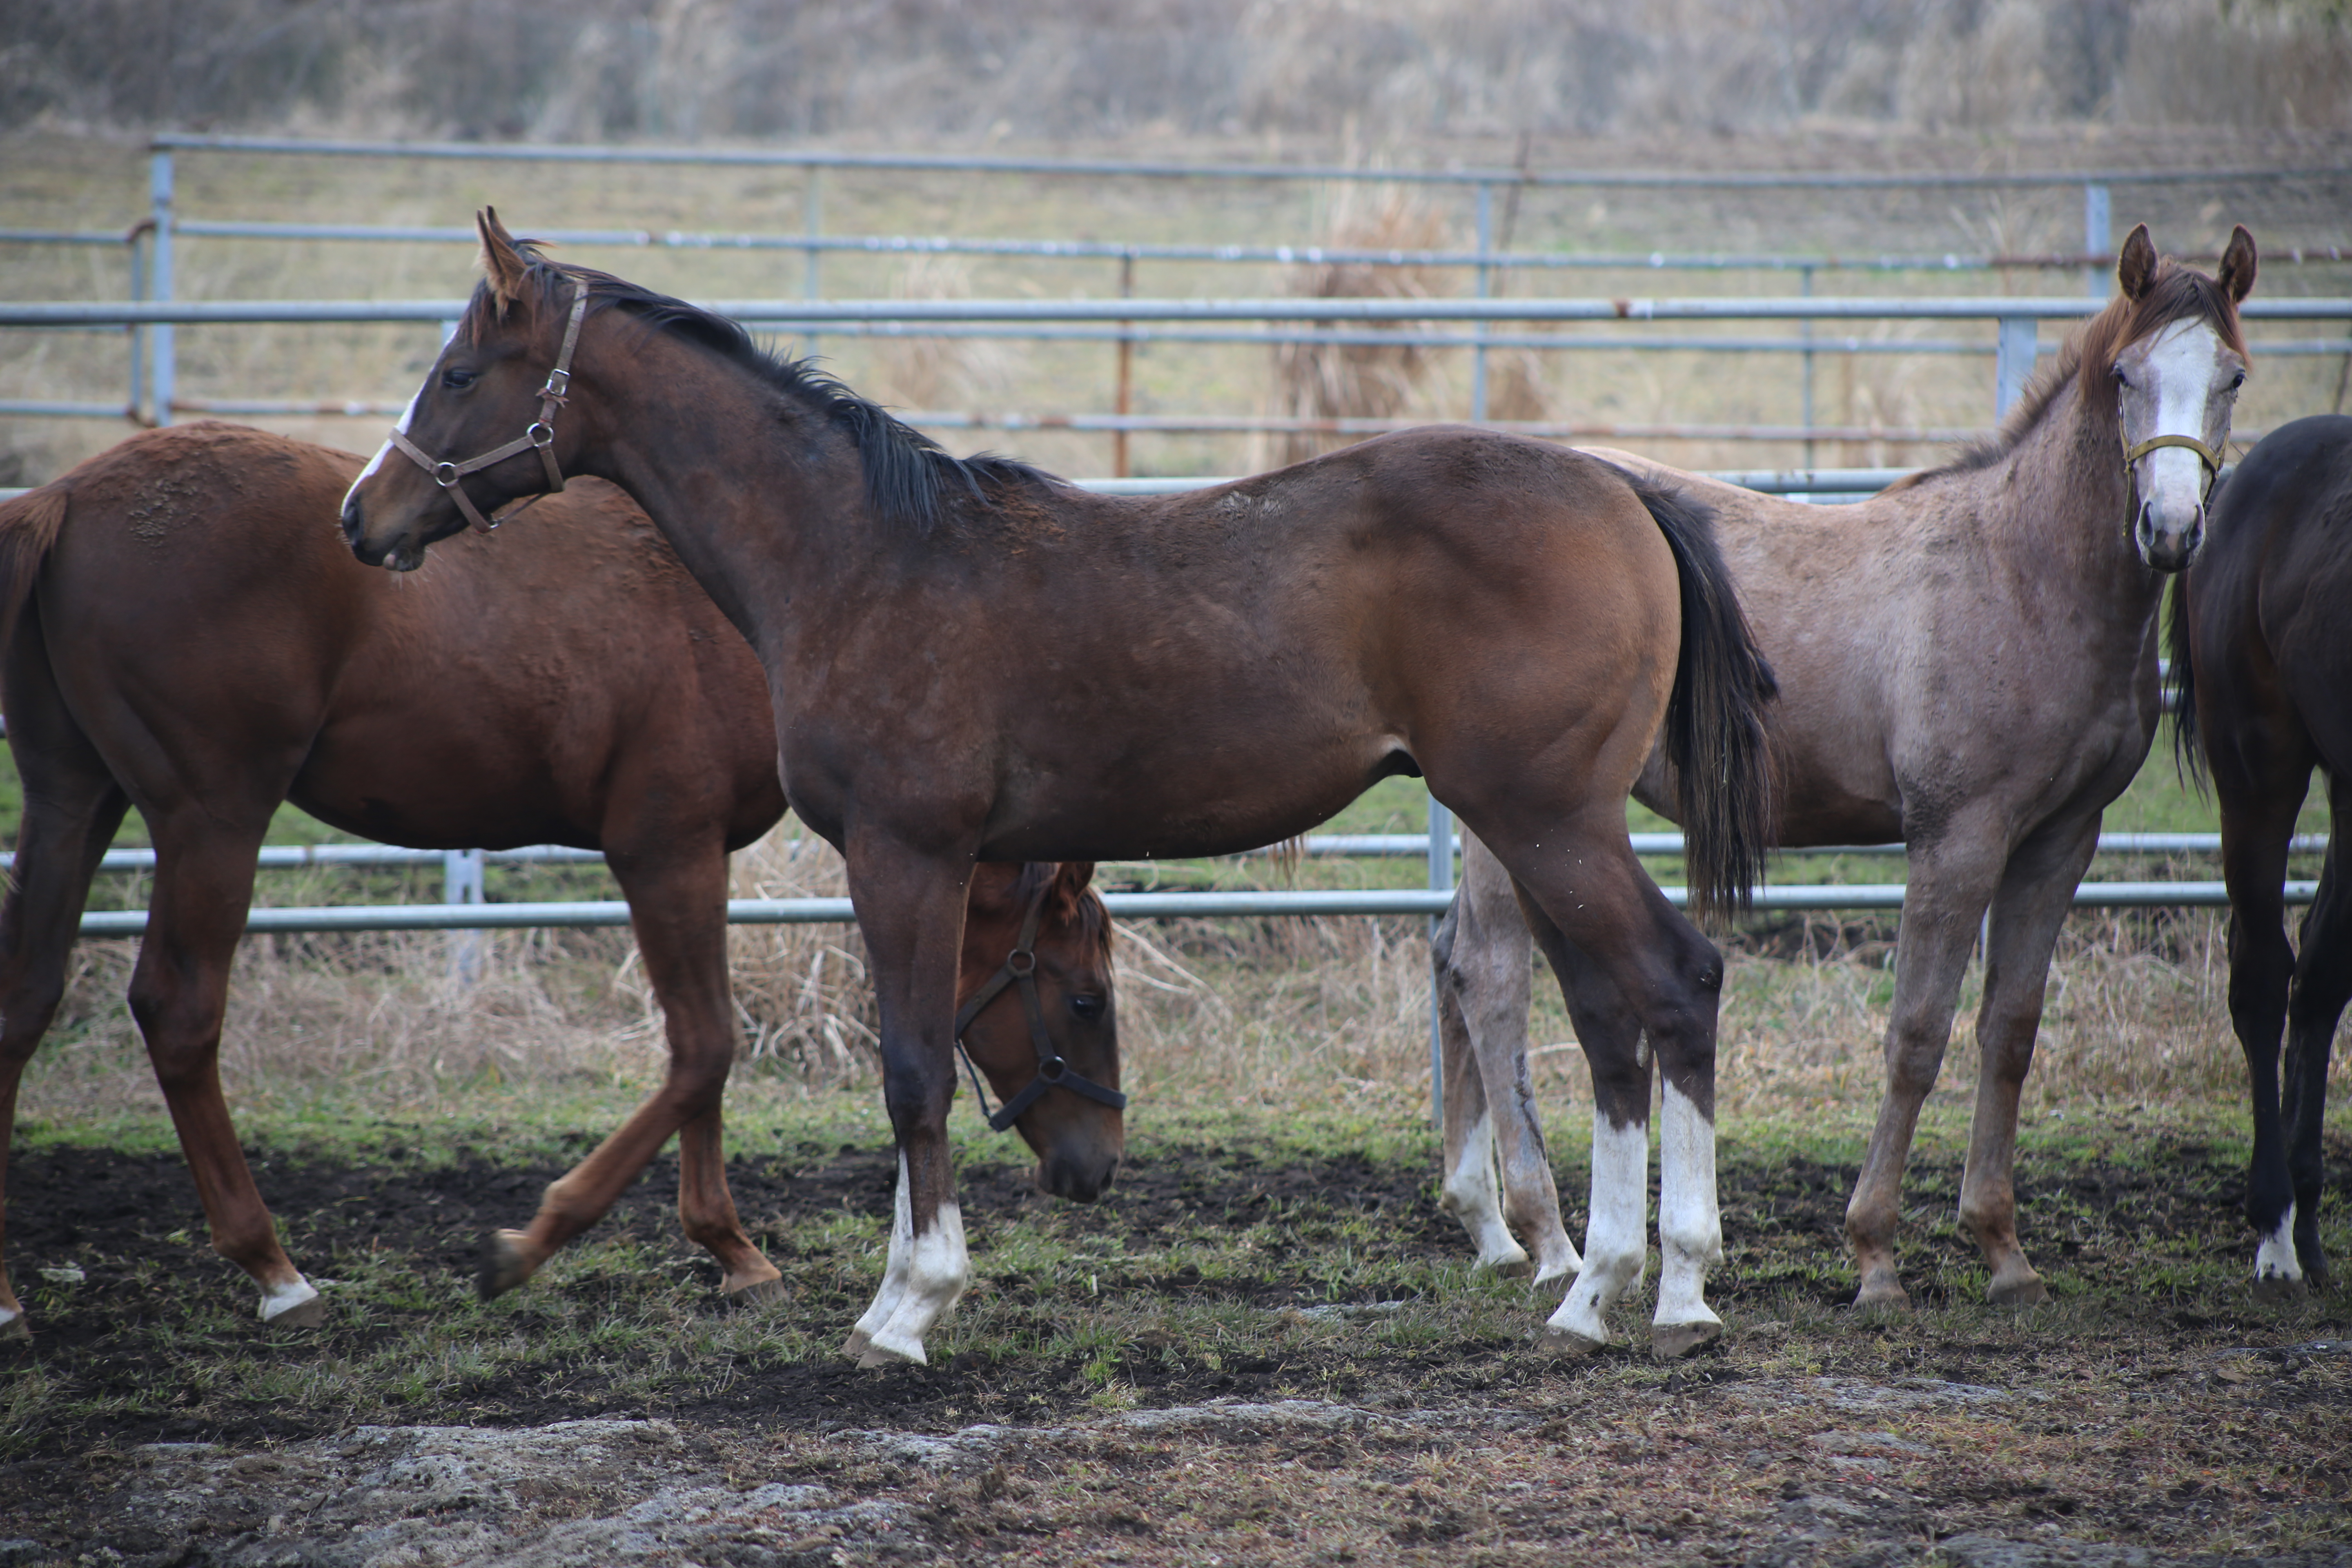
{"type": "Point", "coordinates": [1283, 1401]}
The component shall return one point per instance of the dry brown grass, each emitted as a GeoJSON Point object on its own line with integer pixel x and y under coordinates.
{"type": "Point", "coordinates": [1336, 381]}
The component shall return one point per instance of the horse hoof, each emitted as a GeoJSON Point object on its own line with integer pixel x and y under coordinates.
{"type": "Point", "coordinates": [758, 1295]}
{"type": "Point", "coordinates": [1519, 1267]}
{"type": "Point", "coordinates": [2278, 1288]}
{"type": "Point", "coordinates": [503, 1264]}
{"type": "Point", "coordinates": [310, 1315]}
{"type": "Point", "coordinates": [2027, 1292]}
{"type": "Point", "coordinates": [1668, 1341]}
{"type": "Point", "coordinates": [854, 1347]}
{"type": "Point", "coordinates": [877, 1354]}
{"type": "Point", "coordinates": [1568, 1343]}
{"type": "Point", "coordinates": [1882, 1294]}
{"type": "Point", "coordinates": [15, 1327]}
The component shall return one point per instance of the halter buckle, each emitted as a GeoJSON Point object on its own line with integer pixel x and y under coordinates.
{"type": "Point", "coordinates": [559, 384]}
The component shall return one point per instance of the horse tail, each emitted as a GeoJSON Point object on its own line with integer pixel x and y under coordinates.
{"type": "Point", "coordinates": [29, 526]}
{"type": "Point", "coordinates": [1715, 720]}
{"type": "Point", "coordinates": [2180, 683]}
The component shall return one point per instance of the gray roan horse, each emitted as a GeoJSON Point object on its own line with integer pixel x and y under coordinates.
{"type": "Point", "coordinates": [971, 660]}
{"type": "Point", "coordinates": [185, 632]}
{"type": "Point", "coordinates": [1967, 664]}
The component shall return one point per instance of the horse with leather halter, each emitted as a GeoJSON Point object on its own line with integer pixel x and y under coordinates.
{"type": "Point", "coordinates": [185, 632]}
{"type": "Point", "coordinates": [1224, 670]}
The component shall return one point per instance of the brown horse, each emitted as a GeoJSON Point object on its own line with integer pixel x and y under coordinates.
{"type": "Point", "coordinates": [2261, 655]}
{"type": "Point", "coordinates": [1967, 664]}
{"type": "Point", "coordinates": [186, 634]}
{"type": "Point", "coordinates": [1225, 668]}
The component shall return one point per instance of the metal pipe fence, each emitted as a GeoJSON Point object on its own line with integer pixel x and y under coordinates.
{"type": "Point", "coordinates": [153, 369]}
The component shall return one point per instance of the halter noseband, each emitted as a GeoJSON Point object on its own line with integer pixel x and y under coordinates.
{"type": "Point", "coordinates": [538, 436]}
{"type": "Point", "coordinates": [1020, 968]}
{"type": "Point", "coordinates": [2205, 455]}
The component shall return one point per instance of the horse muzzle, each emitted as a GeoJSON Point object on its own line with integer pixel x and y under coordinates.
{"type": "Point", "coordinates": [1079, 1178]}
{"type": "Point", "coordinates": [2168, 539]}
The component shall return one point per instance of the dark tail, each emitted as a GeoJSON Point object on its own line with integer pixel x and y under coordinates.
{"type": "Point", "coordinates": [1715, 720]}
{"type": "Point", "coordinates": [28, 528]}
{"type": "Point", "coordinates": [2180, 683]}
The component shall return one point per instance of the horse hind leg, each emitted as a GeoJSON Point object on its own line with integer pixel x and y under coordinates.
{"type": "Point", "coordinates": [72, 807]}
{"type": "Point", "coordinates": [1634, 974]}
{"type": "Point", "coordinates": [675, 905]}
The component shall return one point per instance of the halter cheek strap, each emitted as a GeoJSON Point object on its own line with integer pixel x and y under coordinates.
{"type": "Point", "coordinates": [538, 436]}
{"type": "Point", "coordinates": [2205, 455]}
{"type": "Point", "coordinates": [1020, 968]}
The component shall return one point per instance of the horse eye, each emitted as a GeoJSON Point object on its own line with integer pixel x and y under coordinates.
{"type": "Point", "coordinates": [1088, 1008]}
{"type": "Point", "coordinates": [2238, 380]}
{"type": "Point", "coordinates": [457, 378]}
{"type": "Point", "coordinates": [2121, 379]}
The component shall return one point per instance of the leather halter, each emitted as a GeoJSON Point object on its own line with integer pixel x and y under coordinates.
{"type": "Point", "coordinates": [1020, 969]}
{"type": "Point", "coordinates": [2205, 455]}
{"type": "Point", "coordinates": [538, 436]}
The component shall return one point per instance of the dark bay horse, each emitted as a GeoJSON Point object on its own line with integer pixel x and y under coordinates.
{"type": "Point", "coordinates": [971, 659]}
{"type": "Point", "coordinates": [2261, 655]}
{"type": "Point", "coordinates": [1967, 664]}
{"type": "Point", "coordinates": [187, 632]}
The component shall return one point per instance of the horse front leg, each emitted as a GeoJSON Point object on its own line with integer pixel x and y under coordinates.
{"type": "Point", "coordinates": [1949, 884]}
{"type": "Point", "coordinates": [2036, 892]}
{"type": "Point", "coordinates": [911, 907]}
{"type": "Point", "coordinates": [2257, 827]}
{"type": "Point", "coordinates": [2323, 984]}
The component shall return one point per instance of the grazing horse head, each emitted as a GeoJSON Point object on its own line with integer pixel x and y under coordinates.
{"type": "Point", "coordinates": [2173, 352]}
{"type": "Point", "coordinates": [1063, 1031]}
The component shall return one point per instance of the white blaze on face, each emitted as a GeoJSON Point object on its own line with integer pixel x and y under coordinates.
{"type": "Point", "coordinates": [384, 451]}
{"type": "Point", "coordinates": [1690, 1228]}
{"type": "Point", "coordinates": [2274, 1257]}
{"type": "Point", "coordinates": [279, 1299]}
{"type": "Point", "coordinates": [2179, 369]}
{"type": "Point", "coordinates": [1615, 1243]}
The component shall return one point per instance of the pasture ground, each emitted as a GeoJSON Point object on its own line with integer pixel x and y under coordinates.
{"type": "Point", "coordinates": [1263, 1346]}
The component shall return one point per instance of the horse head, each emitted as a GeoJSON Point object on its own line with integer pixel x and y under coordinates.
{"type": "Point", "coordinates": [482, 431]}
{"type": "Point", "coordinates": [2177, 374]}
{"type": "Point", "coordinates": [1037, 946]}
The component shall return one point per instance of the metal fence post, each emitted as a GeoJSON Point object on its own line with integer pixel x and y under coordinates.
{"type": "Point", "coordinates": [2098, 237]}
{"type": "Point", "coordinates": [2012, 364]}
{"type": "Point", "coordinates": [1126, 399]}
{"type": "Point", "coordinates": [1805, 330]}
{"type": "Point", "coordinates": [461, 883]}
{"type": "Point", "coordinates": [161, 380]}
{"type": "Point", "coordinates": [1486, 288]}
{"type": "Point", "coordinates": [1441, 881]}
{"type": "Point", "coordinates": [813, 201]}
{"type": "Point", "coordinates": [138, 335]}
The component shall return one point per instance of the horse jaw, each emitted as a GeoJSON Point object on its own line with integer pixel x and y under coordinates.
{"type": "Point", "coordinates": [2180, 384]}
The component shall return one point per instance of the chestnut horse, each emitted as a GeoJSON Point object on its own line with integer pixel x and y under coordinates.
{"type": "Point", "coordinates": [1225, 668]}
{"type": "Point", "coordinates": [190, 636]}
{"type": "Point", "coordinates": [1968, 664]}
{"type": "Point", "coordinates": [2261, 656]}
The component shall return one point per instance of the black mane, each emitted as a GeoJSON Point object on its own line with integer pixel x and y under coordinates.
{"type": "Point", "coordinates": [909, 478]}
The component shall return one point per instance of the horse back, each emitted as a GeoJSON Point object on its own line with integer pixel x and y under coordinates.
{"type": "Point", "coordinates": [217, 639]}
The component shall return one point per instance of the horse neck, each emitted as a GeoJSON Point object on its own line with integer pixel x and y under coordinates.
{"type": "Point", "coordinates": [2057, 507]}
{"type": "Point", "coordinates": [755, 490]}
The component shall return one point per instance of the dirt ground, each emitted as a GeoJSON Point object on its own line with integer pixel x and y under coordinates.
{"type": "Point", "coordinates": [2146, 1416]}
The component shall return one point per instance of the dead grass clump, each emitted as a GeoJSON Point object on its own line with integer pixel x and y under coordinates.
{"type": "Point", "coordinates": [803, 995]}
{"type": "Point", "coordinates": [1359, 381]}
{"type": "Point", "coordinates": [377, 1019]}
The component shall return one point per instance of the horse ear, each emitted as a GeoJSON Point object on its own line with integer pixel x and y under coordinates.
{"type": "Point", "coordinates": [2135, 265]}
{"type": "Point", "coordinates": [500, 260]}
{"type": "Point", "coordinates": [2237, 273]}
{"type": "Point", "coordinates": [1077, 876]}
